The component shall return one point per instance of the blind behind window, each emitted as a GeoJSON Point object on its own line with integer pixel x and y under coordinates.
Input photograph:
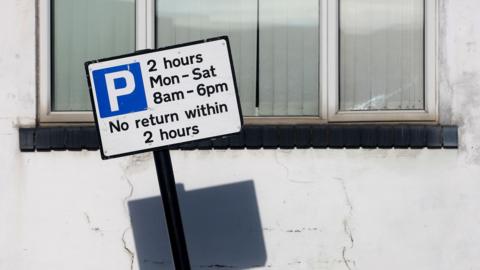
{"type": "Point", "coordinates": [287, 47]}
{"type": "Point", "coordinates": [381, 55]}
{"type": "Point", "coordinates": [381, 49]}
{"type": "Point", "coordinates": [289, 57]}
{"type": "Point", "coordinates": [180, 21]}
{"type": "Point", "coordinates": [84, 30]}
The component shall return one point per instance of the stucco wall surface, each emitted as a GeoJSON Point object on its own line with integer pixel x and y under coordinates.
{"type": "Point", "coordinates": [316, 209]}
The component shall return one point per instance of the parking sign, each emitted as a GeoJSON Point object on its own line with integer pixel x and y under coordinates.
{"type": "Point", "coordinates": [163, 97]}
{"type": "Point", "coordinates": [120, 90]}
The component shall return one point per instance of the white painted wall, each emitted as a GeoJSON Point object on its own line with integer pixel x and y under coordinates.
{"type": "Point", "coordinates": [354, 209]}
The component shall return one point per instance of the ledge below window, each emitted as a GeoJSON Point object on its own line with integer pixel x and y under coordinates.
{"type": "Point", "coordinates": [266, 137]}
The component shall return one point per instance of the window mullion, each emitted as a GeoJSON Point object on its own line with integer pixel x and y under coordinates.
{"type": "Point", "coordinates": [150, 24]}
{"type": "Point", "coordinates": [332, 41]}
{"type": "Point", "coordinates": [141, 25]}
{"type": "Point", "coordinates": [324, 63]}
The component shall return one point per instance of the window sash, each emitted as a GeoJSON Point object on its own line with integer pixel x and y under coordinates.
{"type": "Point", "coordinates": [381, 54]}
{"type": "Point", "coordinates": [328, 77]}
{"type": "Point", "coordinates": [144, 39]}
{"type": "Point", "coordinates": [429, 113]}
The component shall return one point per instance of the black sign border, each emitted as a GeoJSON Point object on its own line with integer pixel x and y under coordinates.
{"type": "Point", "coordinates": [147, 51]}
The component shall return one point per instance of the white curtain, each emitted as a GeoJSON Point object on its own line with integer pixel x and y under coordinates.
{"type": "Point", "coordinates": [381, 55]}
{"type": "Point", "coordinates": [289, 57]}
{"type": "Point", "coordinates": [86, 30]}
{"type": "Point", "coordinates": [180, 21]}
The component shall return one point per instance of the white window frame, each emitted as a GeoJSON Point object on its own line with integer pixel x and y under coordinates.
{"type": "Point", "coordinates": [328, 77]}
{"type": "Point", "coordinates": [431, 102]}
{"type": "Point", "coordinates": [144, 39]}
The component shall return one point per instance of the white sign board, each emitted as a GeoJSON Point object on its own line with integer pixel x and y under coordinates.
{"type": "Point", "coordinates": [164, 97]}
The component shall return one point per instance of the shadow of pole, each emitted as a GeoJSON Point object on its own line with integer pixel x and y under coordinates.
{"type": "Point", "coordinates": [222, 227]}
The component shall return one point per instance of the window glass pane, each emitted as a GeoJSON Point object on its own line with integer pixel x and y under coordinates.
{"type": "Point", "coordinates": [85, 30]}
{"type": "Point", "coordinates": [381, 55]}
{"type": "Point", "coordinates": [180, 21]}
{"type": "Point", "coordinates": [287, 47]}
{"type": "Point", "coordinates": [289, 57]}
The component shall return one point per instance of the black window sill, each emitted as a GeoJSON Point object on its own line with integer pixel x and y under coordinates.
{"type": "Point", "coordinates": [267, 137]}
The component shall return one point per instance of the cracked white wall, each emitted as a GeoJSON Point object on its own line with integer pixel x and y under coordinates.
{"type": "Point", "coordinates": [320, 209]}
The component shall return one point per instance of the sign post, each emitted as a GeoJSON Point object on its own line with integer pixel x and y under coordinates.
{"type": "Point", "coordinates": [171, 207]}
{"type": "Point", "coordinates": [147, 101]}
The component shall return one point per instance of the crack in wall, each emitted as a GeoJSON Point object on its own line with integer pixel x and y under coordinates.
{"type": "Point", "coordinates": [129, 196]}
{"type": "Point", "coordinates": [302, 230]}
{"type": "Point", "coordinates": [287, 171]}
{"type": "Point", "coordinates": [296, 230]}
{"type": "Point", "coordinates": [87, 217]}
{"type": "Point", "coordinates": [89, 222]}
{"type": "Point", "coordinates": [345, 260]}
{"type": "Point", "coordinates": [347, 225]}
{"type": "Point", "coordinates": [130, 253]}
{"type": "Point", "coordinates": [348, 232]}
{"type": "Point", "coordinates": [133, 161]}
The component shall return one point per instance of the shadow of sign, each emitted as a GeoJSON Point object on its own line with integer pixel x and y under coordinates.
{"type": "Point", "coordinates": [222, 226]}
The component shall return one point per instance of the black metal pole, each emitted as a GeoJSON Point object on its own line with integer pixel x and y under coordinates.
{"type": "Point", "coordinates": [166, 180]}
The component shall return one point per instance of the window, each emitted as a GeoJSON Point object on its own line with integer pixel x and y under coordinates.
{"type": "Point", "coordinates": [295, 61]}
{"type": "Point", "coordinates": [382, 60]}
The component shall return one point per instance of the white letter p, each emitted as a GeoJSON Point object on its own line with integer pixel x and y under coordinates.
{"type": "Point", "coordinates": [114, 93]}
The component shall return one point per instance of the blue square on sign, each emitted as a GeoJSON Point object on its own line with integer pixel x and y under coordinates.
{"type": "Point", "coordinates": [119, 90]}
